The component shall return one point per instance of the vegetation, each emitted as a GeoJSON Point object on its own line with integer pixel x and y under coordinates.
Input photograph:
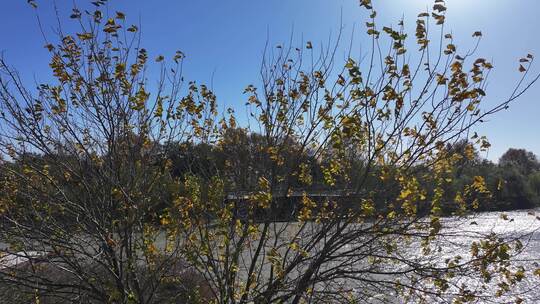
{"type": "Point", "coordinates": [512, 184]}
{"type": "Point", "coordinates": [119, 185]}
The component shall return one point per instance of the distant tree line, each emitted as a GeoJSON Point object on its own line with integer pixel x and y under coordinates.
{"type": "Point", "coordinates": [512, 183]}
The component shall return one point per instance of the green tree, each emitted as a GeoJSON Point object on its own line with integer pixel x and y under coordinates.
{"type": "Point", "coordinates": [524, 161]}
{"type": "Point", "coordinates": [534, 183]}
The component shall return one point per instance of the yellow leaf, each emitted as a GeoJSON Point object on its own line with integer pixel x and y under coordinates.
{"type": "Point", "coordinates": [366, 3]}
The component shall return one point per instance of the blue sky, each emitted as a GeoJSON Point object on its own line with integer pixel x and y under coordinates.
{"type": "Point", "coordinates": [224, 41]}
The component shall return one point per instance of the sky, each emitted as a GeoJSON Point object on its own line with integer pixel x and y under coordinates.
{"type": "Point", "coordinates": [224, 42]}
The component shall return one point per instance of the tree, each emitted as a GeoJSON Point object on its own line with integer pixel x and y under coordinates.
{"type": "Point", "coordinates": [89, 203]}
{"type": "Point", "coordinates": [524, 161]}
{"type": "Point", "coordinates": [515, 191]}
{"type": "Point", "coordinates": [516, 187]}
{"type": "Point", "coordinates": [371, 124]}
{"type": "Point", "coordinates": [534, 183]}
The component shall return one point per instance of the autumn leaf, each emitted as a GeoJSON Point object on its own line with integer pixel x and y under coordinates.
{"type": "Point", "coordinates": [450, 49]}
{"type": "Point", "coordinates": [522, 68]}
{"type": "Point", "coordinates": [366, 3]}
{"type": "Point", "coordinates": [85, 36]}
{"type": "Point", "coordinates": [373, 32]}
{"type": "Point", "coordinates": [440, 18]}
{"type": "Point", "coordinates": [120, 15]}
{"type": "Point", "coordinates": [177, 56]}
{"type": "Point", "coordinates": [32, 3]}
{"type": "Point", "coordinates": [76, 14]}
{"type": "Point", "coordinates": [439, 7]}
{"type": "Point", "coordinates": [341, 80]}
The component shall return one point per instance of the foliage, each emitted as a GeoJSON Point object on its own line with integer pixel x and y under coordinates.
{"type": "Point", "coordinates": [525, 161]}
{"type": "Point", "coordinates": [511, 184]}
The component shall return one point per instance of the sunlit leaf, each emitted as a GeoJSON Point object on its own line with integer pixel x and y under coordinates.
{"type": "Point", "coordinates": [366, 3]}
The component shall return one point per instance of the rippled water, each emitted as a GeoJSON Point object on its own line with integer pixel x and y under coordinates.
{"type": "Point", "coordinates": [459, 234]}
{"type": "Point", "coordinates": [523, 225]}
{"type": "Point", "coordinates": [515, 225]}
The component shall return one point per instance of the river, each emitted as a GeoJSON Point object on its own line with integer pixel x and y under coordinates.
{"type": "Point", "coordinates": [459, 234]}
{"type": "Point", "coordinates": [523, 225]}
